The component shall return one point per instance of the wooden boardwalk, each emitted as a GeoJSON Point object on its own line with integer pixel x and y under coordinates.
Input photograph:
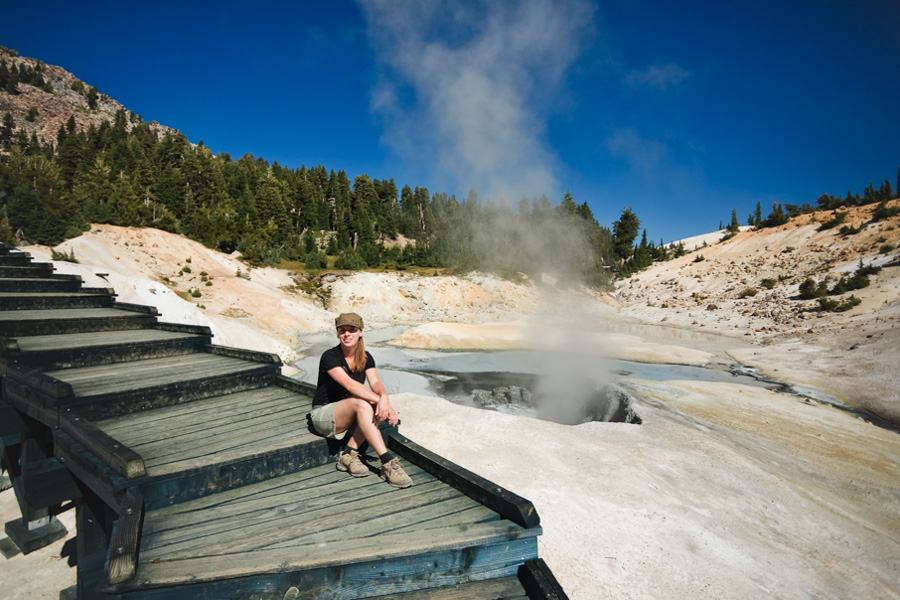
{"type": "Point", "coordinates": [194, 475]}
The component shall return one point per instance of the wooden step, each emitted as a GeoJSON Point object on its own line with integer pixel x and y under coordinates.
{"type": "Point", "coordinates": [13, 259]}
{"type": "Point", "coordinates": [60, 351]}
{"type": "Point", "coordinates": [103, 391]}
{"type": "Point", "coordinates": [33, 270]}
{"type": "Point", "coordinates": [74, 320]}
{"type": "Point", "coordinates": [217, 443]}
{"type": "Point", "coordinates": [53, 300]}
{"type": "Point", "coordinates": [329, 535]}
{"type": "Point", "coordinates": [534, 581]}
{"type": "Point", "coordinates": [57, 283]}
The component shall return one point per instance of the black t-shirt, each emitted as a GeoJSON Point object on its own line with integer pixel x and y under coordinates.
{"type": "Point", "coordinates": [327, 389]}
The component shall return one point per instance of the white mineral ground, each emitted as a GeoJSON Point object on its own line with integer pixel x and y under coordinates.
{"type": "Point", "coordinates": [725, 490]}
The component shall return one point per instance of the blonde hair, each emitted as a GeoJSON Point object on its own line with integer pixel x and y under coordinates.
{"type": "Point", "coordinates": [359, 357]}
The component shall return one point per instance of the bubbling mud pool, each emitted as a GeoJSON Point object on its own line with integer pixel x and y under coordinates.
{"type": "Point", "coordinates": [544, 385]}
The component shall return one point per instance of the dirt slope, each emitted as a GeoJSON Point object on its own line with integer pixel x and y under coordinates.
{"type": "Point", "coordinates": [849, 354]}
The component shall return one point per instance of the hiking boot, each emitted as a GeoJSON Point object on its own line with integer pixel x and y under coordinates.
{"type": "Point", "coordinates": [349, 462]}
{"type": "Point", "coordinates": [394, 474]}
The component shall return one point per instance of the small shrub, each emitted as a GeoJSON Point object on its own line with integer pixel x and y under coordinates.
{"type": "Point", "coordinates": [847, 230]}
{"type": "Point", "coordinates": [63, 256]}
{"type": "Point", "coordinates": [863, 270]}
{"type": "Point", "coordinates": [315, 260]}
{"type": "Point", "coordinates": [185, 269]}
{"type": "Point", "coordinates": [209, 283]}
{"type": "Point", "coordinates": [848, 304]}
{"type": "Point", "coordinates": [882, 211]}
{"type": "Point", "coordinates": [195, 293]}
{"type": "Point", "coordinates": [748, 292]}
{"type": "Point", "coordinates": [204, 274]}
{"type": "Point", "coordinates": [829, 305]}
{"type": "Point", "coordinates": [188, 259]}
{"type": "Point", "coordinates": [699, 258]}
{"type": "Point", "coordinates": [768, 283]}
{"type": "Point", "coordinates": [809, 289]}
{"type": "Point", "coordinates": [887, 249]}
{"type": "Point", "coordinates": [837, 220]}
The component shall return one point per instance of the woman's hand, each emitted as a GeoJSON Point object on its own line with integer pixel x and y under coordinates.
{"type": "Point", "coordinates": [384, 411]}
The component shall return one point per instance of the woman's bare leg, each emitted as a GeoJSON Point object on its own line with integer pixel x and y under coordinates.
{"type": "Point", "coordinates": [350, 411]}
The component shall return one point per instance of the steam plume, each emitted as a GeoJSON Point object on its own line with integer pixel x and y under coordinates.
{"type": "Point", "coordinates": [470, 84]}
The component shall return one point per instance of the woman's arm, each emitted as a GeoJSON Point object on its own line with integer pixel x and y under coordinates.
{"type": "Point", "coordinates": [383, 409]}
{"type": "Point", "coordinates": [354, 387]}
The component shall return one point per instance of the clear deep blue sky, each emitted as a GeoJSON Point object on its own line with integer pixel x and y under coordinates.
{"type": "Point", "coordinates": [681, 110]}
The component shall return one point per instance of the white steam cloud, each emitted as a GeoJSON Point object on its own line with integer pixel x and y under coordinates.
{"type": "Point", "coordinates": [470, 83]}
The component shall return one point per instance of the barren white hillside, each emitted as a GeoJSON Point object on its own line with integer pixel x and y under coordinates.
{"type": "Point", "coordinates": [725, 491]}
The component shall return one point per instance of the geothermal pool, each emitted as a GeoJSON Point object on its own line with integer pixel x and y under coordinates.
{"type": "Point", "coordinates": [455, 375]}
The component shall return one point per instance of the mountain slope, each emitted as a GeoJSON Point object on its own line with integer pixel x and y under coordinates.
{"type": "Point", "coordinates": [851, 354]}
{"type": "Point", "coordinates": [67, 97]}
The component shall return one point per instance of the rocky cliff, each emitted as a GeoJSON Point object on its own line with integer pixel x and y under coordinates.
{"type": "Point", "coordinates": [62, 96]}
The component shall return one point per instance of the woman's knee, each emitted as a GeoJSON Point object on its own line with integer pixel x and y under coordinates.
{"type": "Point", "coordinates": [357, 407]}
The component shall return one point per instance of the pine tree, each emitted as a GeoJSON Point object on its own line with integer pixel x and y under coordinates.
{"type": "Point", "coordinates": [735, 227]}
{"type": "Point", "coordinates": [6, 130]}
{"type": "Point", "coordinates": [567, 206]}
{"type": "Point", "coordinates": [625, 229]}
{"type": "Point", "coordinates": [92, 98]}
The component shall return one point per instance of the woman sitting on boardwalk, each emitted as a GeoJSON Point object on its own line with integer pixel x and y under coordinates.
{"type": "Point", "coordinates": [343, 403]}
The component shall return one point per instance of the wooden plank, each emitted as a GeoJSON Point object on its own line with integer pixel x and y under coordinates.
{"type": "Point", "coordinates": [351, 581]}
{"type": "Point", "coordinates": [511, 506]}
{"type": "Point", "coordinates": [285, 441]}
{"type": "Point", "coordinates": [125, 543]}
{"type": "Point", "coordinates": [183, 328]}
{"type": "Point", "coordinates": [8, 345]}
{"type": "Point", "coordinates": [138, 308]}
{"type": "Point", "coordinates": [89, 470]}
{"type": "Point", "coordinates": [292, 523]}
{"type": "Point", "coordinates": [95, 339]}
{"type": "Point", "coordinates": [182, 482]}
{"type": "Point", "coordinates": [215, 420]}
{"type": "Point", "coordinates": [180, 419]}
{"type": "Point", "coordinates": [40, 382]}
{"type": "Point", "coordinates": [301, 387]}
{"type": "Point", "coordinates": [116, 455]}
{"type": "Point", "coordinates": [251, 355]}
{"type": "Point", "coordinates": [31, 402]}
{"type": "Point", "coordinates": [115, 403]}
{"type": "Point", "coordinates": [49, 483]}
{"type": "Point", "coordinates": [510, 540]}
{"type": "Point", "coordinates": [436, 517]}
{"type": "Point", "coordinates": [38, 285]}
{"type": "Point", "coordinates": [151, 368]}
{"type": "Point", "coordinates": [351, 499]}
{"type": "Point", "coordinates": [10, 421]}
{"type": "Point", "coordinates": [288, 484]}
{"type": "Point", "coordinates": [171, 417]}
{"type": "Point", "coordinates": [104, 379]}
{"type": "Point", "coordinates": [539, 582]}
{"type": "Point", "coordinates": [501, 588]}
{"type": "Point", "coordinates": [265, 430]}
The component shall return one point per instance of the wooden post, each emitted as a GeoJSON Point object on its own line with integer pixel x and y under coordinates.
{"type": "Point", "coordinates": [126, 539]}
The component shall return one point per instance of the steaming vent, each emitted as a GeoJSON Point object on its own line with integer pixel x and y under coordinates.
{"type": "Point", "coordinates": [607, 403]}
{"type": "Point", "coordinates": [566, 400]}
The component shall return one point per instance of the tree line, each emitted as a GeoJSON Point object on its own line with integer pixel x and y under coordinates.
{"type": "Point", "coordinates": [125, 173]}
{"type": "Point", "coordinates": [783, 214]}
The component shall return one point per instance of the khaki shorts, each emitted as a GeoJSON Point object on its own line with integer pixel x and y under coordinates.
{"type": "Point", "coordinates": [322, 418]}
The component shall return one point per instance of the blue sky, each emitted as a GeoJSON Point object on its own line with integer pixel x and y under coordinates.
{"type": "Point", "coordinates": [682, 111]}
